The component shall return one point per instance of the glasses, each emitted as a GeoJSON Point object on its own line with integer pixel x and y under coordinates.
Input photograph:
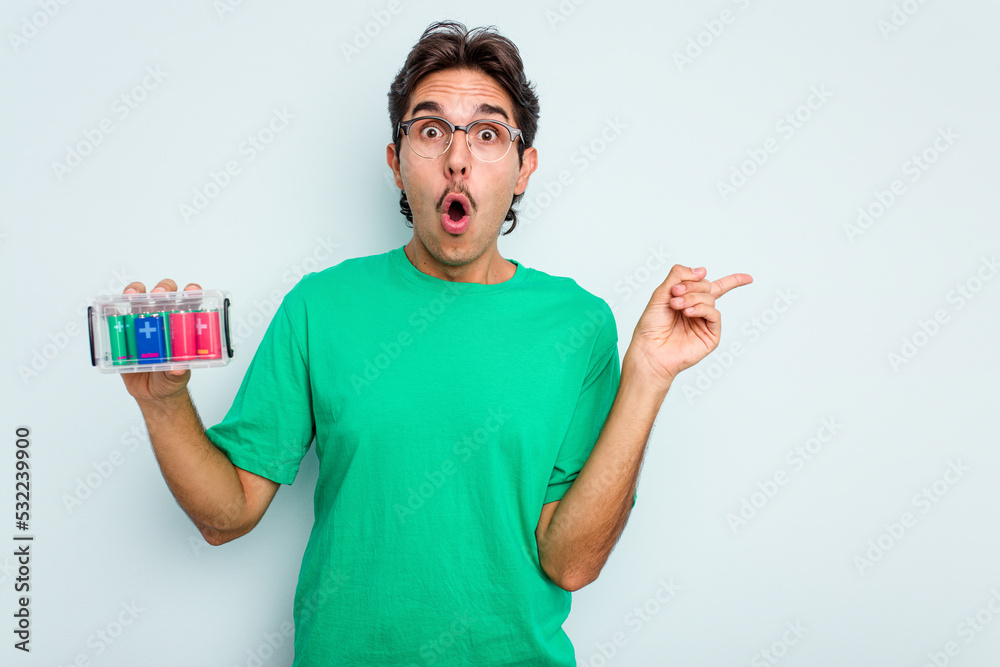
{"type": "Point", "coordinates": [430, 137]}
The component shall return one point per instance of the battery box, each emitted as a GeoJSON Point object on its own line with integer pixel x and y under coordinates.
{"type": "Point", "coordinates": [160, 331]}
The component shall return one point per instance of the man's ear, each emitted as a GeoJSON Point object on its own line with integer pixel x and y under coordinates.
{"type": "Point", "coordinates": [393, 161]}
{"type": "Point", "coordinates": [529, 163]}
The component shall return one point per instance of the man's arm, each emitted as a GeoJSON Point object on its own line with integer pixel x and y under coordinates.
{"type": "Point", "coordinates": [223, 501]}
{"type": "Point", "coordinates": [679, 327]}
{"type": "Point", "coordinates": [576, 535]}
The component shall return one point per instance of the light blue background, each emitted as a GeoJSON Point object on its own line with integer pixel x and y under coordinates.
{"type": "Point", "coordinates": [320, 193]}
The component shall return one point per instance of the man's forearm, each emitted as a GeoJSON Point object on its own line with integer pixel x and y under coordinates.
{"type": "Point", "coordinates": [201, 477]}
{"type": "Point", "coordinates": [592, 514]}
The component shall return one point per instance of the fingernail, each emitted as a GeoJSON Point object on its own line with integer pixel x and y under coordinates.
{"type": "Point", "coordinates": [158, 289]}
{"type": "Point", "coordinates": [130, 290]}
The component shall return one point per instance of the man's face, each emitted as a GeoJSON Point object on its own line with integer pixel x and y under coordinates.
{"type": "Point", "coordinates": [460, 96]}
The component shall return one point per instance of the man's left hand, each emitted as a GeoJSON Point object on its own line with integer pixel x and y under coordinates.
{"type": "Point", "coordinates": [680, 325]}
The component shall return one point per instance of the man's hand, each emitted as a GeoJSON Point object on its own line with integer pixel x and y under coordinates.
{"type": "Point", "coordinates": [153, 386]}
{"type": "Point", "coordinates": [680, 325]}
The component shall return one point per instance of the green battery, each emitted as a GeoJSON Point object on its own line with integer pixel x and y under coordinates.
{"type": "Point", "coordinates": [116, 331]}
{"type": "Point", "coordinates": [165, 316]}
{"type": "Point", "coordinates": [130, 353]}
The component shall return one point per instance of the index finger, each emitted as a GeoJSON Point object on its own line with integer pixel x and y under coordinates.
{"type": "Point", "coordinates": [723, 285]}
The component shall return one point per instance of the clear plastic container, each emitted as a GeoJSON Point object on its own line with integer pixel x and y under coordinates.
{"type": "Point", "coordinates": [160, 331]}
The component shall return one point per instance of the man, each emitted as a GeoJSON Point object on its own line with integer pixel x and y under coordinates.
{"type": "Point", "coordinates": [456, 399]}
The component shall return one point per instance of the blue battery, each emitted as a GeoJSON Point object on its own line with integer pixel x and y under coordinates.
{"type": "Point", "coordinates": [150, 341]}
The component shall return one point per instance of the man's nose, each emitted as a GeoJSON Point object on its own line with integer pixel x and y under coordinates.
{"type": "Point", "coordinates": [458, 158]}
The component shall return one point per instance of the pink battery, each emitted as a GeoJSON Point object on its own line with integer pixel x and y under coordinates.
{"type": "Point", "coordinates": [182, 336]}
{"type": "Point", "coordinates": [206, 334]}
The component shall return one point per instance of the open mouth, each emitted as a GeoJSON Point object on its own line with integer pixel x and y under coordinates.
{"type": "Point", "coordinates": [455, 219]}
{"type": "Point", "coordinates": [456, 211]}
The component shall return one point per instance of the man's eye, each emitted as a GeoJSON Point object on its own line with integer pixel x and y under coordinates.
{"type": "Point", "coordinates": [488, 135]}
{"type": "Point", "coordinates": [431, 131]}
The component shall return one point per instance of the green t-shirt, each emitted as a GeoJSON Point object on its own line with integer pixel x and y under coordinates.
{"type": "Point", "coordinates": [445, 415]}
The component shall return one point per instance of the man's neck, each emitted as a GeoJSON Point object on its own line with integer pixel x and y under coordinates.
{"type": "Point", "coordinates": [488, 269]}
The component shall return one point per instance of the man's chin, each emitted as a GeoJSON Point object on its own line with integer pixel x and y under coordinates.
{"type": "Point", "coordinates": [453, 250]}
{"type": "Point", "coordinates": [455, 253]}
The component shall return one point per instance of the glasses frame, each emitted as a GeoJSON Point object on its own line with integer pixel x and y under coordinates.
{"type": "Point", "coordinates": [404, 125]}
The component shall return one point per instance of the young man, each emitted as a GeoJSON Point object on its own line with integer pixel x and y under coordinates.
{"type": "Point", "coordinates": [479, 442]}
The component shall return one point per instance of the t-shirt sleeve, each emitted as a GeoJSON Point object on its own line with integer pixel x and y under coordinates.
{"type": "Point", "coordinates": [270, 425]}
{"type": "Point", "coordinates": [596, 396]}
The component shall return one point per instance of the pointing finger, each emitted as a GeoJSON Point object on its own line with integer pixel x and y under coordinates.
{"type": "Point", "coordinates": [723, 285]}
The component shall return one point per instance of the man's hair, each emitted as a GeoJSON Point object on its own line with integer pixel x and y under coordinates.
{"type": "Point", "coordinates": [449, 45]}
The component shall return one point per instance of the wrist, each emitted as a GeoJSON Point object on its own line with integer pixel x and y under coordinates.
{"type": "Point", "coordinates": [641, 378]}
{"type": "Point", "coordinates": [165, 408]}
{"type": "Point", "coordinates": [643, 373]}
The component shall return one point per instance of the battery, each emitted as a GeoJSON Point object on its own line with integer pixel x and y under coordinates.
{"type": "Point", "coordinates": [150, 343]}
{"type": "Point", "coordinates": [165, 319]}
{"type": "Point", "coordinates": [131, 356]}
{"type": "Point", "coordinates": [116, 331]}
{"type": "Point", "coordinates": [182, 336]}
{"type": "Point", "coordinates": [206, 334]}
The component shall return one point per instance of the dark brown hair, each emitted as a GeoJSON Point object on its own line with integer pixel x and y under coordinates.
{"type": "Point", "coordinates": [449, 45]}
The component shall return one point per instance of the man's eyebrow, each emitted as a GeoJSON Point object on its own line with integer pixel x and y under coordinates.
{"type": "Point", "coordinates": [433, 107]}
{"type": "Point", "coordinates": [482, 109]}
{"type": "Point", "coordinates": [486, 109]}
